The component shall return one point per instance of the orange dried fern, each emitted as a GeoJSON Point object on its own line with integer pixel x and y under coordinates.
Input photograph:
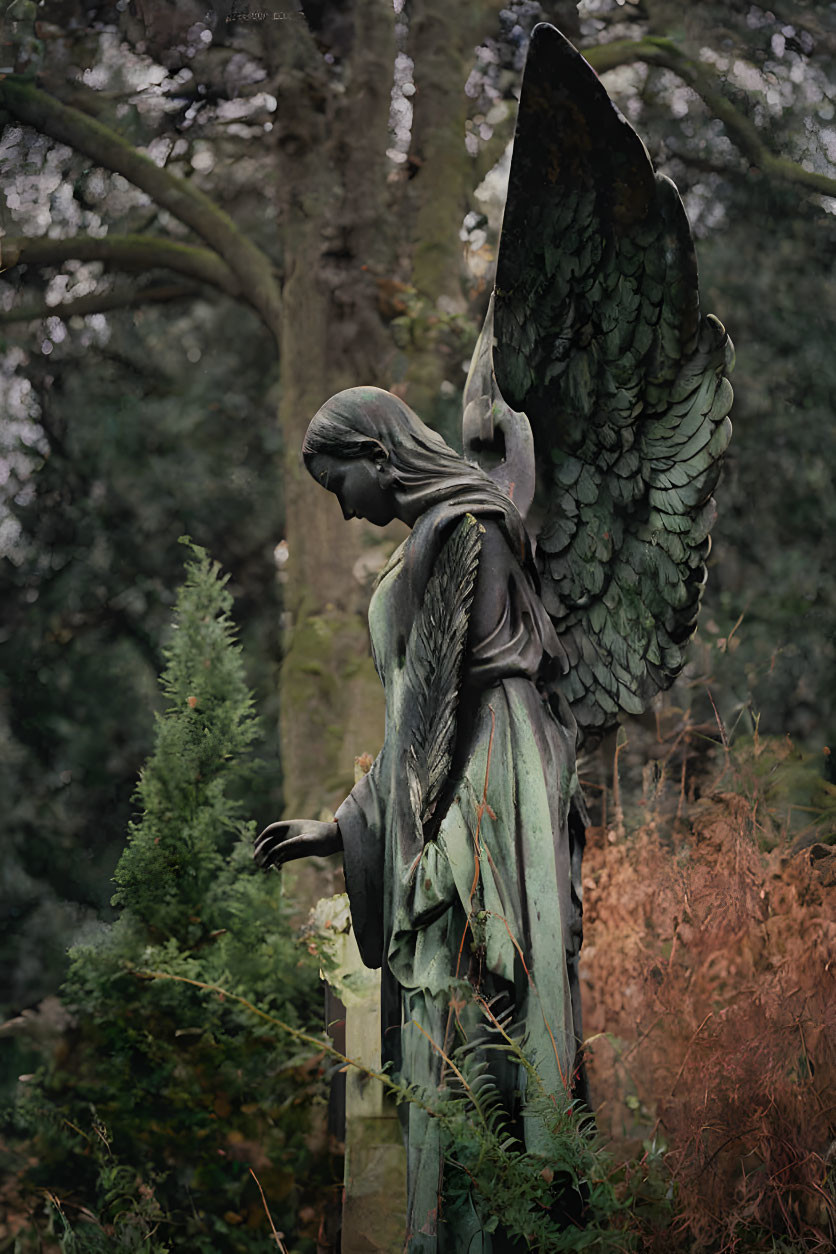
{"type": "Point", "coordinates": [709, 970]}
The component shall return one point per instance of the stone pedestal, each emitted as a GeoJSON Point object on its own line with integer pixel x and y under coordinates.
{"type": "Point", "coordinates": [374, 1201]}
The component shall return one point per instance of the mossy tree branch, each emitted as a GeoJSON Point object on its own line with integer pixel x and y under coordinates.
{"type": "Point", "coordinates": [102, 302]}
{"type": "Point", "coordinates": [252, 267]}
{"type": "Point", "coordinates": [740, 129]}
{"type": "Point", "coordinates": [123, 252]}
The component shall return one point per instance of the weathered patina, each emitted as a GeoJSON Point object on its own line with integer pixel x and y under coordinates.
{"type": "Point", "coordinates": [603, 388]}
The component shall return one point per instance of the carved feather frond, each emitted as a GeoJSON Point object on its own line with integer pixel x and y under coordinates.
{"type": "Point", "coordinates": [434, 656]}
{"type": "Point", "coordinates": [600, 341]}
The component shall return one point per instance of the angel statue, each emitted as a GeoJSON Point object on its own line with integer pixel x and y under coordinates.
{"type": "Point", "coordinates": [603, 388]}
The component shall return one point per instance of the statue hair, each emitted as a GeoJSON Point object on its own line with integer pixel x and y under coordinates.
{"type": "Point", "coordinates": [369, 422]}
{"type": "Point", "coordinates": [325, 435]}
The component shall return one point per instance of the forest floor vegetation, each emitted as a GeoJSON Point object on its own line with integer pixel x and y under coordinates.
{"type": "Point", "coordinates": [188, 1113]}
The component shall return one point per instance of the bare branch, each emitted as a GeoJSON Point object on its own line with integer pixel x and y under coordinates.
{"type": "Point", "coordinates": [101, 302]}
{"type": "Point", "coordinates": [48, 115]}
{"type": "Point", "coordinates": [743, 133]}
{"type": "Point", "coordinates": [696, 161]}
{"type": "Point", "coordinates": [125, 252]}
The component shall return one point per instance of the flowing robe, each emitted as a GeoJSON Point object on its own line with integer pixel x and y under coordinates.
{"type": "Point", "coordinates": [487, 909]}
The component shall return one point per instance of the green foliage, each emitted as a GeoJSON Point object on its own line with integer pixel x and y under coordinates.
{"type": "Point", "coordinates": [570, 1194]}
{"type": "Point", "coordinates": [774, 546]}
{"type": "Point", "coordinates": [101, 482]}
{"type": "Point", "coordinates": [791, 798]}
{"type": "Point", "coordinates": [146, 1123]}
{"type": "Point", "coordinates": [174, 852]}
{"type": "Point", "coordinates": [559, 1199]}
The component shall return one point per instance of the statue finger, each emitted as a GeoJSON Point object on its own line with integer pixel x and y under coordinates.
{"type": "Point", "coordinates": [268, 842]}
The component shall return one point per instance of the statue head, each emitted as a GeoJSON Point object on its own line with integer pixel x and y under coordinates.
{"type": "Point", "coordinates": [380, 459]}
{"type": "Point", "coordinates": [382, 462]}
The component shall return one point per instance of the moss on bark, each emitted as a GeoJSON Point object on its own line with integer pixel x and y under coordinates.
{"type": "Point", "coordinates": [333, 179]}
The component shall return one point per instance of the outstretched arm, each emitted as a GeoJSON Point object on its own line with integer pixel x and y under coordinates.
{"type": "Point", "coordinates": [296, 838]}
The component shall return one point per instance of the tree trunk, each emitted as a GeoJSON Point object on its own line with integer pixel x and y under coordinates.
{"type": "Point", "coordinates": [442, 40]}
{"type": "Point", "coordinates": [331, 147]}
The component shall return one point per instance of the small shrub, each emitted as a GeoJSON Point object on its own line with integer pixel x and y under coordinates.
{"type": "Point", "coordinates": [143, 1130]}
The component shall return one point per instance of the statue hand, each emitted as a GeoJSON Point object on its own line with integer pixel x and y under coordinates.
{"type": "Point", "coordinates": [296, 838]}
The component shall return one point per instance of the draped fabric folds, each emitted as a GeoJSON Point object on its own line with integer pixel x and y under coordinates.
{"type": "Point", "coordinates": [488, 910]}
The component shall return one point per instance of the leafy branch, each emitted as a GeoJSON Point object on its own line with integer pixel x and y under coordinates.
{"type": "Point", "coordinates": [740, 129]}
{"type": "Point", "coordinates": [235, 264]}
{"type": "Point", "coordinates": [252, 267]}
{"type": "Point", "coordinates": [534, 1195]}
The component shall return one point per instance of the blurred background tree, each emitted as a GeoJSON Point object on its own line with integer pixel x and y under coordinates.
{"type": "Point", "coordinates": [213, 219]}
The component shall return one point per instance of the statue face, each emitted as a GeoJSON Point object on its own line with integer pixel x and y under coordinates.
{"type": "Point", "coordinates": [363, 487]}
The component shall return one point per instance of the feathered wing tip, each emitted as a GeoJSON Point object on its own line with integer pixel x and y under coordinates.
{"type": "Point", "coordinates": [600, 341]}
{"type": "Point", "coordinates": [625, 623]}
{"type": "Point", "coordinates": [434, 657]}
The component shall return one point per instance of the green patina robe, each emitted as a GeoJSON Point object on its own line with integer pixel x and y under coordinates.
{"type": "Point", "coordinates": [490, 903]}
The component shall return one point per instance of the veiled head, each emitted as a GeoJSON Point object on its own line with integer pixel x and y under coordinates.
{"type": "Point", "coordinates": [369, 422]}
{"type": "Point", "coordinates": [389, 444]}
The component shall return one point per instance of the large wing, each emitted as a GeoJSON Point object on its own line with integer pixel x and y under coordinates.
{"type": "Point", "coordinates": [600, 341]}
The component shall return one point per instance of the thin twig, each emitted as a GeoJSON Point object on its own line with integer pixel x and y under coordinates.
{"type": "Point", "coordinates": [279, 1241]}
{"type": "Point", "coordinates": [616, 785]}
{"type": "Point", "coordinates": [710, 1015]}
{"type": "Point", "coordinates": [723, 734]}
{"type": "Point", "coordinates": [533, 987]}
{"type": "Point", "coordinates": [296, 1033]}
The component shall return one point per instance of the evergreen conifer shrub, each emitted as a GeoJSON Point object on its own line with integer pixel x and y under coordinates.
{"type": "Point", "coordinates": [146, 1129]}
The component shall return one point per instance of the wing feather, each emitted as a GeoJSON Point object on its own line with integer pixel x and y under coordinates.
{"type": "Point", "coordinates": [434, 657]}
